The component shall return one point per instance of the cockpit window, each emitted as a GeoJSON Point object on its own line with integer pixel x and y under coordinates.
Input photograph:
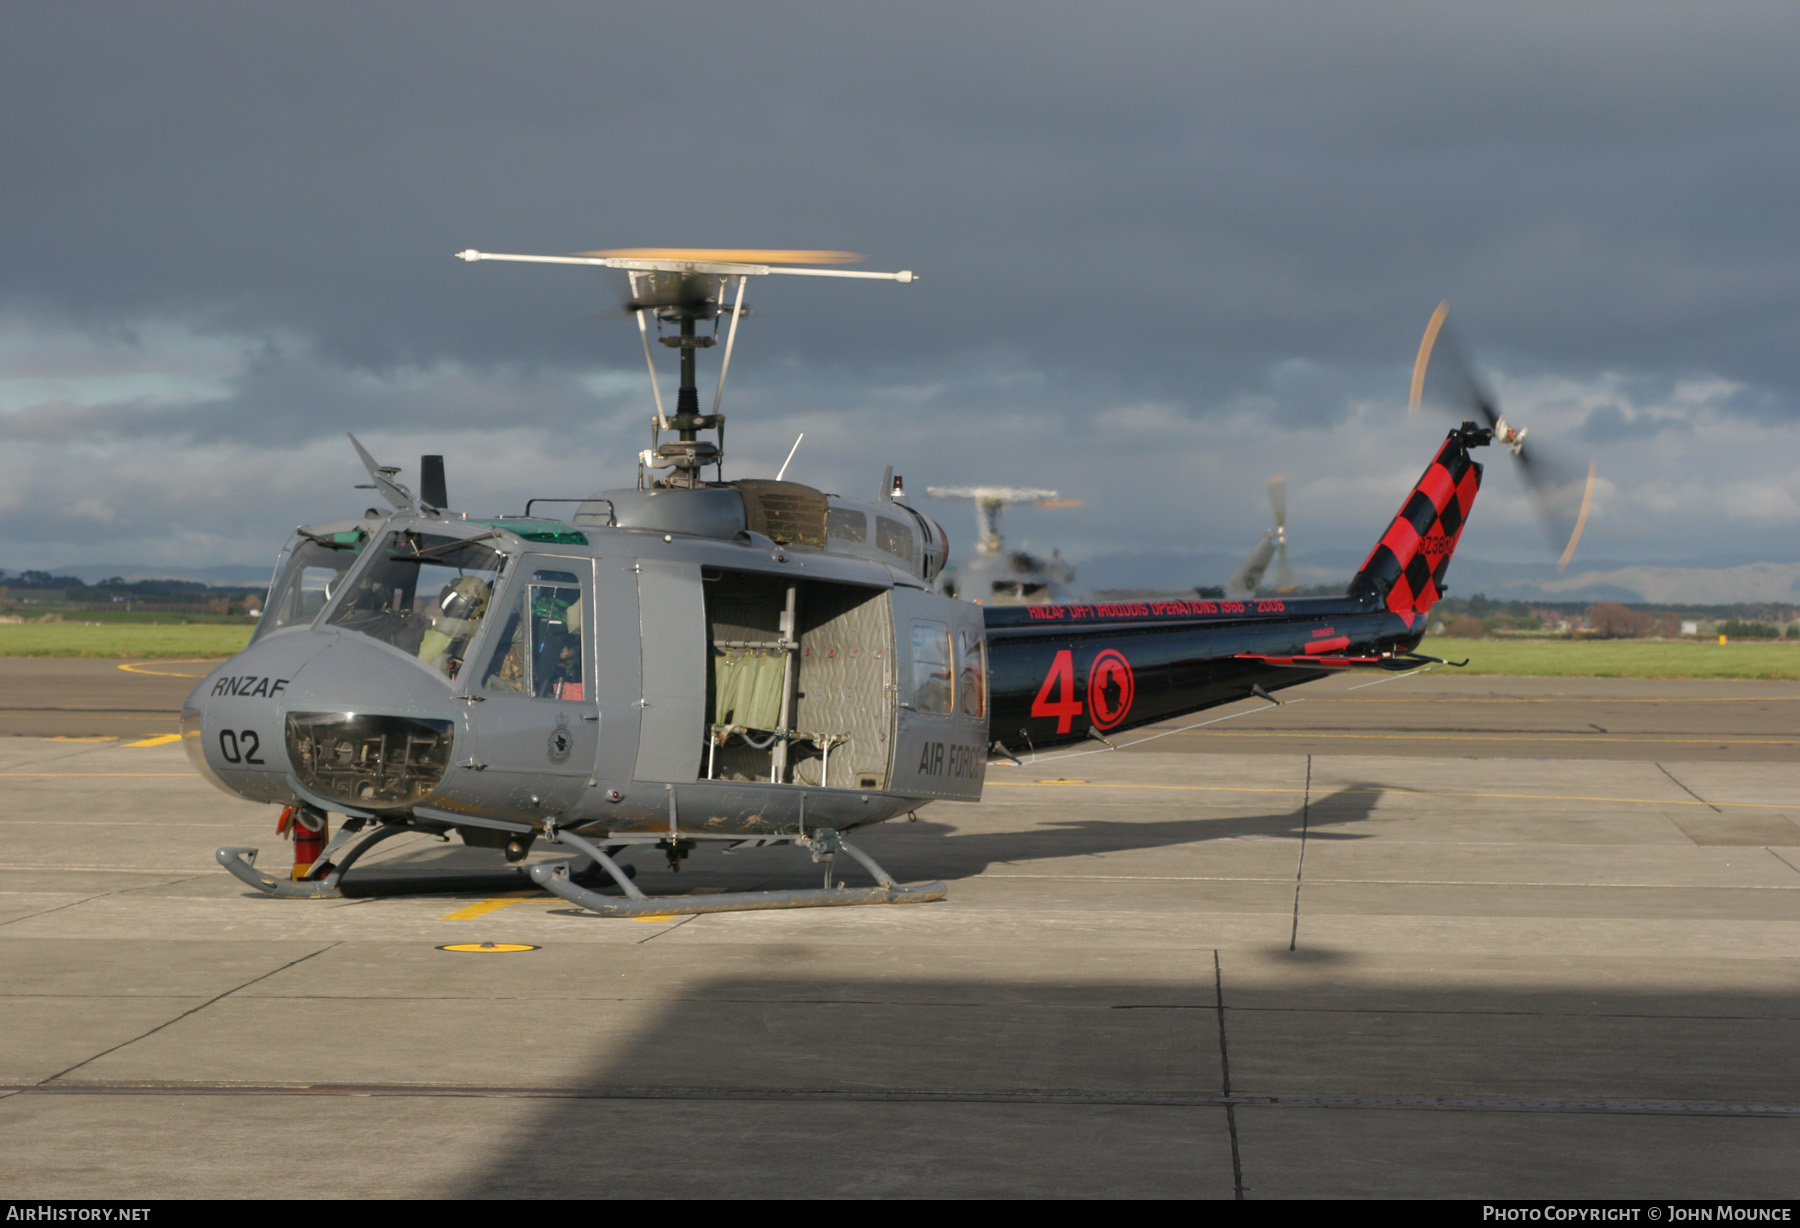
{"type": "Point", "coordinates": [894, 537]}
{"type": "Point", "coordinates": [539, 652]}
{"type": "Point", "coordinates": [306, 583]}
{"type": "Point", "coordinates": [931, 668]}
{"type": "Point", "coordinates": [845, 524]}
{"type": "Point", "coordinates": [424, 594]}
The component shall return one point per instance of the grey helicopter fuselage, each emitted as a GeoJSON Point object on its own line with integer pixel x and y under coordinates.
{"type": "Point", "coordinates": [659, 662]}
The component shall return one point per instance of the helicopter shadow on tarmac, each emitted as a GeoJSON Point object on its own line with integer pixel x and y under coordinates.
{"type": "Point", "coordinates": [924, 849]}
{"type": "Point", "coordinates": [940, 850]}
{"type": "Point", "coordinates": [936, 849]}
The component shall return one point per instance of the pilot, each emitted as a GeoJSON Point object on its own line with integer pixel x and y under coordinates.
{"type": "Point", "coordinates": [460, 606]}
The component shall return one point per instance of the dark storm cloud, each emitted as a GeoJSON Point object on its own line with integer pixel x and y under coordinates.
{"type": "Point", "coordinates": [1172, 196]}
{"type": "Point", "coordinates": [1161, 246]}
{"type": "Point", "coordinates": [289, 400]}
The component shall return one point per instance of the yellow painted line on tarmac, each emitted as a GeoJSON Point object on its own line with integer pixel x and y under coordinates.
{"type": "Point", "coordinates": [1390, 882]}
{"type": "Point", "coordinates": [35, 714]}
{"type": "Point", "coordinates": [485, 907]}
{"type": "Point", "coordinates": [1528, 797]}
{"type": "Point", "coordinates": [98, 774]}
{"type": "Point", "coordinates": [161, 739]}
{"type": "Point", "coordinates": [137, 667]}
{"type": "Point", "coordinates": [1571, 736]}
{"type": "Point", "coordinates": [63, 737]}
{"type": "Point", "coordinates": [1484, 700]}
{"type": "Point", "coordinates": [661, 916]}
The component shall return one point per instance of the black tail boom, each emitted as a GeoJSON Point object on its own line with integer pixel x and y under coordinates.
{"type": "Point", "coordinates": [1062, 673]}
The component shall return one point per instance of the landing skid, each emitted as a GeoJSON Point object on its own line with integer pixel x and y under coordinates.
{"type": "Point", "coordinates": [825, 845]}
{"type": "Point", "coordinates": [330, 885]}
{"type": "Point", "coordinates": [242, 863]}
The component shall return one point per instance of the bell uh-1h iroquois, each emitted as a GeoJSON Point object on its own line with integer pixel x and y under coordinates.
{"type": "Point", "coordinates": [749, 662]}
{"type": "Point", "coordinates": [994, 575]}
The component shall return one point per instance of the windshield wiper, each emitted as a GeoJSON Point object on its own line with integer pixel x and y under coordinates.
{"type": "Point", "coordinates": [330, 543]}
{"type": "Point", "coordinates": [450, 545]}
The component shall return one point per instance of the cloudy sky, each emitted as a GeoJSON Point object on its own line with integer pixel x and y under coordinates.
{"type": "Point", "coordinates": [1165, 252]}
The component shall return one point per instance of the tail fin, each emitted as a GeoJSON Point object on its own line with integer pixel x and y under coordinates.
{"type": "Point", "coordinates": [1407, 566]}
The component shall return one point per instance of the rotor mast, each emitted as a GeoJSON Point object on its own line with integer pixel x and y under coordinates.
{"type": "Point", "coordinates": [685, 286]}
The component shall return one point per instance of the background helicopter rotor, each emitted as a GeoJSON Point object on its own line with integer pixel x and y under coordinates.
{"type": "Point", "coordinates": [1284, 573]}
{"type": "Point", "coordinates": [1561, 494]}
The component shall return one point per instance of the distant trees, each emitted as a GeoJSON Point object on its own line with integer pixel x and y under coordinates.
{"type": "Point", "coordinates": [1738, 629]}
{"type": "Point", "coordinates": [1611, 621]}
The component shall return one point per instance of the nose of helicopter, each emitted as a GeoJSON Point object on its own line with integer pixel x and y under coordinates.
{"type": "Point", "coordinates": [337, 718]}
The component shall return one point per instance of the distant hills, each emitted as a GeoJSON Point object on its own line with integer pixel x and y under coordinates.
{"type": "Point", "coordinates": [228, 575]}
{"type": "Point", "coordinates": [1638, 583]}
{"type": "Point", "coordinates": [1747, 582]}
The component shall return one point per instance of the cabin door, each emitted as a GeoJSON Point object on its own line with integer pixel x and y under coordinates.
{"type": "Point", "coordinates": [535, 716]}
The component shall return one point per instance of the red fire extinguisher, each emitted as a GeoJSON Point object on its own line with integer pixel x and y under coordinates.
{"type": "Point", "coordinates": [309, 830]}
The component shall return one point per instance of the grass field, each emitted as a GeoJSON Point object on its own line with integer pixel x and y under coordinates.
{"type": "Point", "coordinates": [1622, 658]}
{"type": "Point", "coordinates": [1542, 658]}
{"type": "Point", "coordinates": [120, 640]}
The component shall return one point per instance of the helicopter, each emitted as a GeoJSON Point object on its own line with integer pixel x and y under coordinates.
{"type": "Point", "coordinates": [1247, 580]}
{"type": "Point", "coordinates": [994, 575]}
{"type": "Point", "coordinates": [693, 660]}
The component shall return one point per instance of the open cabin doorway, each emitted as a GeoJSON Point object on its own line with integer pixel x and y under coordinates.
{"type": "Point", "coordinates": [809, 657]}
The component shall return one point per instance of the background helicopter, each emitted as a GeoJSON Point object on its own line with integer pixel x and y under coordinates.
{"type": "Point", "coordinates": [994, 575]}
{"type": "Point", "coordinates": [1247, 580]}
{"type": "Point", "coordinates": [752, 661]}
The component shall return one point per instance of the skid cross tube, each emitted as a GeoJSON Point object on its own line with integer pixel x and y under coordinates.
{"type": "Point", "coordinates": [555, 878]}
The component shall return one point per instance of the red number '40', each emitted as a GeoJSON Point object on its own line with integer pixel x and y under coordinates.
{"type": "Point", "coordinates": [1066, 707]}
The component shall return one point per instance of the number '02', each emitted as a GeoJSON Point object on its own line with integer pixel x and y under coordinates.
{"type": "Point", "coordinates": [1065, 708]}
{"type": "Point", "coordinates": [239, 747]}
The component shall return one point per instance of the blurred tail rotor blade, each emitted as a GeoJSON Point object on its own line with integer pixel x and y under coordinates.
{"type": "Point", "coordinates": [1587, 498]}
{"type": "Point", "coordinates": [1424, 359]}
{"type": "Point", "coordinates": [1448, 383]}
{"type": "Point", "coordinates": [1284, 574]}
{"type": "Point", "coordinates": [1561, 494]}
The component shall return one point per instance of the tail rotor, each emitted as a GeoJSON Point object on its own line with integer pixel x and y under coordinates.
{"type": "Point", "coordinates": [1561, 493]}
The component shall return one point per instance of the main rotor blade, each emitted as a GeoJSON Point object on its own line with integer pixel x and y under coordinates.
{"type": "Point", "coordinates": [727, 255]}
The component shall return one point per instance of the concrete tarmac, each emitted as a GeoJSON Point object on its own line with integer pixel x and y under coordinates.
{"type": "Point", "coordinates": [1309, 959]}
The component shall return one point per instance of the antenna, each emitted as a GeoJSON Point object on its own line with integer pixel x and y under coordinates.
{"type": "Point", "coordinates": [685, 287]}
{"type": "Point", "coordinates": [790, 456]}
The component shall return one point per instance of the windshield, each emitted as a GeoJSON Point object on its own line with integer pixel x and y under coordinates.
{"type": "Point", "coordinates": [424, 594]}
{"type": "Point", "coordinates": [307, 582]}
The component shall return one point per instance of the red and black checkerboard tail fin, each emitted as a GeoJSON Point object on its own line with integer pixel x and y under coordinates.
{"type": "Point", "coordinates": [1406, 568]}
